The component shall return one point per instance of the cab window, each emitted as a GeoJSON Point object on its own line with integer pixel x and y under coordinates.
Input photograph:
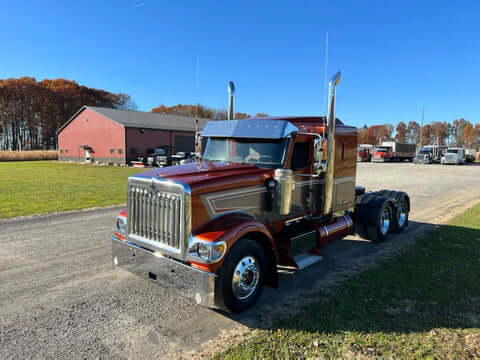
{"type": "Point", "coordinates": [300, 156]}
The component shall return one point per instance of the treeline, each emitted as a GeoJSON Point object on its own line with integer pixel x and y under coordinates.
{"type": "Point", "coordinates": [458, 133]}
{"type": "Point", "coordinates": [201, 111]}
{"type": "Point", "coordinates": [32, 111]}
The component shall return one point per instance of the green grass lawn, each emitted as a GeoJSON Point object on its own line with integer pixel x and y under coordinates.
{"type": "Point", "coordinates": [423, 304]}
{"type": "Point", "coordinates": [36, 187]}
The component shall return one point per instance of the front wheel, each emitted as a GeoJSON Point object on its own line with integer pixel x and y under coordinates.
{"type": "Point", "coordinates": [242, 275]}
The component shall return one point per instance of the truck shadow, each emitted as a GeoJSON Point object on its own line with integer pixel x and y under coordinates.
{"type": "Point", "coordinates": [304, 292]}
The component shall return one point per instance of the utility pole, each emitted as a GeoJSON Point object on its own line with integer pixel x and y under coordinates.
{"type": "Point", "coordinates": [326, 80]}
{"type": "Point", "coordinates": [198, 96]}
{"type": "Point", "coordinates": [421, 127]}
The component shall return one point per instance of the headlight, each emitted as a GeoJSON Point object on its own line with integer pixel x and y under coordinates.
{"type": "Point", "coordinates": [121, 226]}
{"type": "Point", "coordinates": [207, 252]}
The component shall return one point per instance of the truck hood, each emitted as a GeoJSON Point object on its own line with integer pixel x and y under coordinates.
{"type": "Point", "coordinates": [206, 176]}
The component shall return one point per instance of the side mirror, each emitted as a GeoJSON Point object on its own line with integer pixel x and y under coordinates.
{"type": "Point", "coordinates": [319, 166]}
{"type": "Point", "coordinates": [198, 142]}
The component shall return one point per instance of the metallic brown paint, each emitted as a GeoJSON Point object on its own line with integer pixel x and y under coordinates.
{"type": "Point", "coordinates": [235, 226]}
{"type": "Point", "coordinates": [204, 177]}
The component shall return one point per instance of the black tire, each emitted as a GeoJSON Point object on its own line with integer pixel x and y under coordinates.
{"type": "Point", "coordinates": [400, 216]}
{"type": "Point", "coordinates": [379, 231]}
{"type": "Point", "coordinates": [243, 250]}
{"type": "Point", "coordinates": [368, 214]}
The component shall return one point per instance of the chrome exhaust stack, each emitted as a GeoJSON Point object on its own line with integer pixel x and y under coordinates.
{"type": "Point", "coordinates": [329, 176]}
{"type": "Point", "coordinates": [231, 95]}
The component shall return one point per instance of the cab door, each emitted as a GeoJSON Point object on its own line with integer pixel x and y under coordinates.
{"type": "Point", "coordinates": [306, 197]}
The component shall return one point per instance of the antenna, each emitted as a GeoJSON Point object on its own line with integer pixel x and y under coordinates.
{"type": "Point", "coordinates": [325, 77]}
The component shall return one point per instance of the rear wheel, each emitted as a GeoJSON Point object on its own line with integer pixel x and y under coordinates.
{"type": "Point", "coordinates": [400, 216]}
{"type": "Point", "coordinates": [383, 221]}
{"type": "Point", "coordinates": [373, 213]}
{"type": "Point", "coordinates": [242, 275]}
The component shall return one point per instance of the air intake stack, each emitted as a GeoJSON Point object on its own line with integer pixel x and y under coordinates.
{"type": "Point", "coordinates": [231, 99]}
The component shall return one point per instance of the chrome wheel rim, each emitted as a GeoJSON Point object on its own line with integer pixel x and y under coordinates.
{"type": "Point", "coordinates": [245, 277]}
{"type": "Point", "coordinates": [385, 221]}
{"type": "Point", "coordinates": [402, 214]}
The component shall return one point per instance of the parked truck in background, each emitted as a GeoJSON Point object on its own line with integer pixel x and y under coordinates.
{"type": "Point", "coordinates": [265, 193]}
{"type": "Point", "coordinates": [470, 155]}
{"type": "Point", "coordinates": [454, 156]}
{"type": "Point", "coordinates": [158, 157]}
{"type": "Point", "coordinates": [430, 154]}
{"type": "Point", "coordinates": [365, 152]}
{"type": "Point", "coordinates": [394, 151]}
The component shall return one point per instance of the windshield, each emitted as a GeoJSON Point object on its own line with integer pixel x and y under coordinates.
{"type": "Point", "coordinates": [452, 151]}
{"type": "Point", "coordinates": [382, 149]}
{"type": "Point", "coordinates": [424, 151]}
{"type": "Point", "coordinates": [263, 153]}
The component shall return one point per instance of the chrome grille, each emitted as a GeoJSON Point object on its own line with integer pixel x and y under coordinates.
{"type": "Point", "coordinates": [156, 216]}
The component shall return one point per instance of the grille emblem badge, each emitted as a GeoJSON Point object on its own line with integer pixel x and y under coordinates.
{"type": "Point", "coordinates": [152, 186]}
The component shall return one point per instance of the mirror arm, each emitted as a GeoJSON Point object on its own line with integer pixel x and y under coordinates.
{"type": "Point", "coordinates": [319, 167]}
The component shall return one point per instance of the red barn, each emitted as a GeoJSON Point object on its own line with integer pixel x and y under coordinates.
{"type": "Point", "coordinates": [120, 136]}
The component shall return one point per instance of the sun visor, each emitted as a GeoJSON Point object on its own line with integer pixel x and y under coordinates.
{"type": "Point", "coordinates": [249, 128]}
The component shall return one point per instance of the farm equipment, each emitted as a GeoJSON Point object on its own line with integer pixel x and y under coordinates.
{"type": "Point", "coordinates": [158, 157]}
{"type": "Point", "coordinates": [266, 193]}
{"type": "Point", "coordinates": [365, 152]}
{"type": "Point", "coordinates": [182, 158]}
{"type": "Point", "coordinates": [394, 151]}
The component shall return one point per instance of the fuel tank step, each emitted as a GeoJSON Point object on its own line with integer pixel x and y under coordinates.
{"type": "Point", "coordinates": [305, 260]}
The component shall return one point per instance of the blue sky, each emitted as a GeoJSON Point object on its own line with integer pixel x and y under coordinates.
{"type": "Point", "coordinates": [395, 55]}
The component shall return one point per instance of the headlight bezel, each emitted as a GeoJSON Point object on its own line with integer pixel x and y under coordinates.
{"type": "Point", "coordinates": [211, 251]}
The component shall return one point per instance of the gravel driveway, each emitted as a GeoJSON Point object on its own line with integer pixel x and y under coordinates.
{"type": "Point", "coordinates": [61, 298]}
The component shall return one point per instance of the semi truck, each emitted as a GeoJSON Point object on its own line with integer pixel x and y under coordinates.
{"type": "Point", "coordinates": [470, 155]}
{"type": "Point", "coordinates": [394, 151]}
{"type": "Point", "coordinates": [430, 154]}
{"type": "Point", "coordinates": [264, 194]}
{"type": "Point", "coordinates": [454, 156]}
{"type": "Point", "coordinates": [365, 152]}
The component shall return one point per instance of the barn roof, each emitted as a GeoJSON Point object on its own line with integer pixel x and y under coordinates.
{"type": "Point", "coordinates": [141, 119]}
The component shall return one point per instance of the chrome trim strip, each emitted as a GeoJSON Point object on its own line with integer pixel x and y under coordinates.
{"type": "Point", "coordinates": [288, 222]}
{"type": "Point", "coordinates": [303, 234]}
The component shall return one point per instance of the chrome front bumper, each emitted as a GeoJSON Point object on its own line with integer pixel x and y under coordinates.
{"type": "Point", "coordinates": [422, 161]}
{"type": "Point", "coordinates": [378, 159]}
{"type": "Point", "coordinates": [450, 162]}
{"type": "Point", "coordinates": [182, 279]}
